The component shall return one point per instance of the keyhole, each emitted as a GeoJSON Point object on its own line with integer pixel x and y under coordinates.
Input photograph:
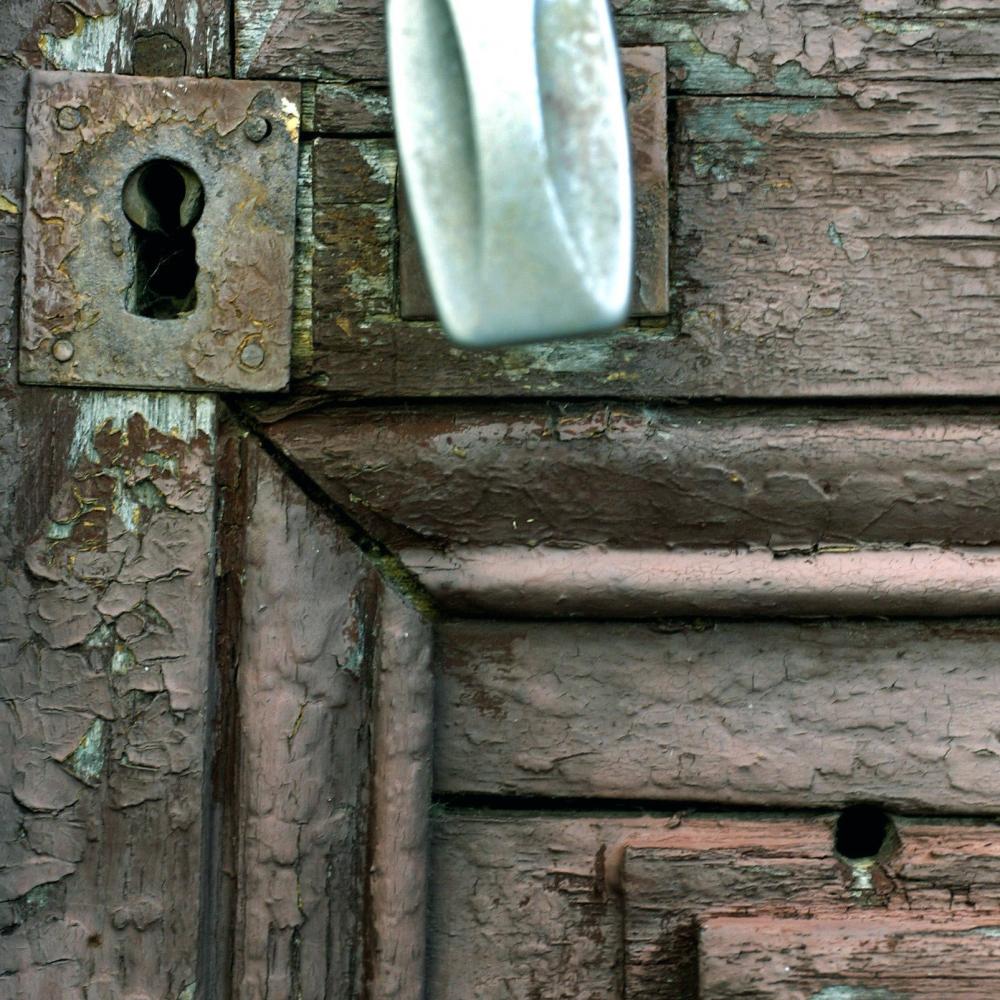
{"type": "Point", "coordinates": [163, 200]}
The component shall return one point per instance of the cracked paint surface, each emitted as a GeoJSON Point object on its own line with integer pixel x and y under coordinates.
{"type": "Point", "coordinates": [104, 636]}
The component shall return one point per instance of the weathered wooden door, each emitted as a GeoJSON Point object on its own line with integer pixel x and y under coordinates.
{"type": "Point", "coordinates": [656, 666]}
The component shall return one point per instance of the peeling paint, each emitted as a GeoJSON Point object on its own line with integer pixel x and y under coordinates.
{"type": "Point", "coordinates": [6, 205]}
{"type": "Point", "coordinates": [122, 660]}
{"type": "Point", "coordinates": [94, 45]}
{"type": "Point", "coordinates": [255, 19]}
{"type": "Point", "coordinates": [171, 413]}
{"type": "Point", "coordinates": [87, 761]}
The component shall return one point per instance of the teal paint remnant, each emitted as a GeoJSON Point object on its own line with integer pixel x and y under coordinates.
{"type": "Point", "coordinates": [833, 235]}
{"type": "Point", "coordinates": [86, 762]}
{"type": "Point", "coordinates": [122, 660]}
{"type": "Point", "coordinates": [704, 72]}
{"type": "Point", "coordinates": [724, 133]}
{"type": "Point", "coordinates": [37, 899]}
{"type": "Point", "coordinates": [733, 119]}
{"type": "Point", "coordinates": [793, 79]}
{"type": "Point", "coordinates": [188, 993]}
{"type": "Point", "coordinates": [100, 638]}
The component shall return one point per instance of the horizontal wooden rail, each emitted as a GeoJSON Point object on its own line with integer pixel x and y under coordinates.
{"type": "Point", "coordinates": [596, 582]}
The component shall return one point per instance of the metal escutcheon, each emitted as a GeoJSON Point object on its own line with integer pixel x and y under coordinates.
{"type": "Point", "coordinates": [510, 119]}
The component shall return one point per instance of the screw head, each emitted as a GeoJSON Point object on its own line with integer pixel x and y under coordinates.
{"type": "Point", "coordinates": [256, 128]}
{"type": "Point", "coordinates": [68, 117]}
{"type": "Point", "coordinates": [252, 354]}
{"type": "Point", "coordinates": [62, 350]}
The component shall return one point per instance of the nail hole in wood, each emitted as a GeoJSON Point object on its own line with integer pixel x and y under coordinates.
{"type": "Point", "coordinates": [862, 832]}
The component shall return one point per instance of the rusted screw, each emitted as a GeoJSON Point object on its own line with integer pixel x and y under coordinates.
{"type": "Point", "coordinates": [62, 350]}
{"type": "Point", "coordinates": [69, 118]}
{"type": "Point", "coordinates": [256, 128]}
{"type": "Point", "coordinates": [252, 355]}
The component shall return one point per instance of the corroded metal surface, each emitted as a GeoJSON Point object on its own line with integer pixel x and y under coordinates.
{"type": "Point", "coordinates": [87, 135]}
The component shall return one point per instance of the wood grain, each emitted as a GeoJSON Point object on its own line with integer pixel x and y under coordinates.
{"type": "Point", "coordinates": [521, 907]}
{"type": "Point", "coordinates": [775, 714]}
{"type": "Point", "coordinates": [761, 957]}
{"type": "Point", "coordinates": [629, 477]}
{"type": "Point", "coordinates": [330, 734]}
{"type": "Point", "coordinates": [531, 907]}
{"type": "Point", "coordinates": [727, 907]}
{"type": "Point", "coordinates": [792, 47]}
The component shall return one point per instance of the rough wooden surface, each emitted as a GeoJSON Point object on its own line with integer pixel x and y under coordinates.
{"type": "Point", "coordinates": [757, 713]}
{"type": "Point", "coordinates": [401, 801]}
{"type": "Point", "coordinates": [308, 39]}
{"type": "Point", "coordinates": [834, 218]}
{"type": "Point", "coordinates": [820, 248]}
{"type": "Point", "coordinates": [106, 518]}
{"type": "Point", "coordinates": [106, 645]}
{"type": "Point", "coordinates": [168, 38]}
{"type": "Point", "coordinates": [939, 956]}
{"type": "Point", "coordinates": [303, 684]}
{"type": "Point", "coordinates": [737, 907]}
{"type": "Point", "coordinates": [630, 477]}
{"type": "Point", "coordinates": [521, 908]}
{"type": "Point", "coordinates": [530, 907]}
{"type": "Point", "coordinates": [714, 46]}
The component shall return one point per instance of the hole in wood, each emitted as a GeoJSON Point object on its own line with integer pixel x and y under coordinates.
{"type": "Point", "coordinates": [863, 832]}
{"type": "Point", "coordinates": [163, 200]}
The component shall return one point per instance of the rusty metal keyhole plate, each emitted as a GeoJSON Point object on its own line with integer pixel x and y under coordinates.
{"type": "Point", "coordinates": [88, 135]}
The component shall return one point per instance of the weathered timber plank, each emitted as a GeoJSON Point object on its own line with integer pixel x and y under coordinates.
{"type": "Point", "coordinates": [529, 907]}
{"type": "Point", "coordinates": [776, 714]}
{"type": "Point", "coordinates": [308, 39]}
{"type": "Point", "coordinates": [707, 871]}
{"type": "Point", "coordinates": [106, 521]}
{"type": "Point", "coordinates": [592, 582]}
{"type": "Point", "coordinates": [303, 687]}
{"type": "Point", "coordinates": [106, 644]}
{"type": "Point", "coordinates": [940, 956]}
{"type": "Point", "coordinates": [401, 801]}
{"type": "Point", "coordinates": [521, 907]}
{"type": "Point", "coordinates": [330, 738]}
{"type": "Point", "coordinates": [821, 247]}
{"type": "Point", "coordinates": [793, 47]}
{"type": "Point", "coordinates": [642, 478]}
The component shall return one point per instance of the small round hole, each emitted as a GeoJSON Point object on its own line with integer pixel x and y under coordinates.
{"type": "Point", "coordinates": [862, 832]}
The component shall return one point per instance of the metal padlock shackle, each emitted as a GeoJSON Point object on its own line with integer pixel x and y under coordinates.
{"type": "Point", "coordinates": [513, 139]}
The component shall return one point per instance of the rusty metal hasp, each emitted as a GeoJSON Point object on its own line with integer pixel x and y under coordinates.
{"type": "Point", "coordinates": [159, 232]}
{"type": "Point", "coordinates": [513, 140]}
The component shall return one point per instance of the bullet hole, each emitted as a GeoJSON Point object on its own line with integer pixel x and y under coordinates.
{"type": "Point", "coordinates": [862, 832]}
{"type": "Point", "coordinates": [163, 201]}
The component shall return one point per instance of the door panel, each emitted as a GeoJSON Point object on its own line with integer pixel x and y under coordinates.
{"type": "Point", "coordinates": [653, 478]}
{"type": "Point", "coordinates": [797, 714]}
